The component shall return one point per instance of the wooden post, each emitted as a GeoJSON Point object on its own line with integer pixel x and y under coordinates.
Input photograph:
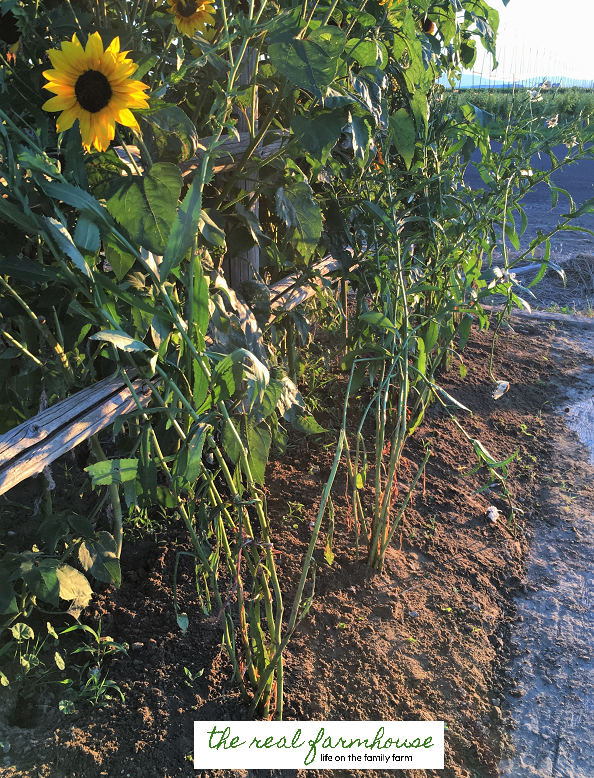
{"type": "Point", "coordinates": [240, 268]}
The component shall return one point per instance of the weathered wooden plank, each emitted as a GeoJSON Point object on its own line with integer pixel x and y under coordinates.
{"type": "Point", "coordinates": [284, 294]}
{"type": "Point", "coordinates": [231, 152]}
{"type": "Point", "coordinates": [29, 448]}
{"type": "Point", "coordinates": [46, 423]}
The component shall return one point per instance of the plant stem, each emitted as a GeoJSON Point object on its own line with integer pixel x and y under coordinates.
{"type": "Point", "coordinates": [114, 497]}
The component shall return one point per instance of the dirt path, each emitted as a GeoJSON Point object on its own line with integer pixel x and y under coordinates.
{"type": "Point", "coordinates": [553, 702]}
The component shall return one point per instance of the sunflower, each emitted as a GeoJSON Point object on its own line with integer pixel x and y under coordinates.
{"type": "Point", "coordinates": [192, 16]}
{"type": "Point", "coordinates": [93, 86]}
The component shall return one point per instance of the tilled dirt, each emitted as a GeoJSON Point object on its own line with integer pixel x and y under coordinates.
{"type": "Point", "coordinates": [428, 639]}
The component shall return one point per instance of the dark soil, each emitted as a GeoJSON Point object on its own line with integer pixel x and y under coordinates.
{"type": "Point", "coordinates": [425, 640]}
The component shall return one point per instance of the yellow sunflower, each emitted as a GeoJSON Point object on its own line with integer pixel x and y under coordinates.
{"type": "Point", "coordinates": [93, 86]}
{"type": "Point", "coordinates": [192, 16]}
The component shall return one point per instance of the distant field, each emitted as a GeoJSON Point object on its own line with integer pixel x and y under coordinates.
{"type": "Point", "coordinates": [568, 102]}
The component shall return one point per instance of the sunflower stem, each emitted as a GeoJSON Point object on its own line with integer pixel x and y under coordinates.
{"type": "Point", "coordinates": [146, 157]}
{"type": "Point", "coordinates": [128, 152]}
{"type": "Point", "coordinates": [145, 6]}
{"type": "Point", "coordinates": [133, 13]}
{"type": "Point", "coordinates": [227, 38]}
{"type": "Point", "coordinates": [75, 17]}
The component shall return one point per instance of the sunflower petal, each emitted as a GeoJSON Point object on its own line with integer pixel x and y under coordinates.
{"type": "Point", "coordinates": [94, 51]}
{"type": "Point", "coordinates": [67, 118]}
{"type": "Point", "coordinates": [127, 118]}
{"type": "Point", "coordinates": [59, 103]}
{"type": "Point", "coordinates": [114, 47]}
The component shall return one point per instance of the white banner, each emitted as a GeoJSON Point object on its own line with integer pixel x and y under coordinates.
{"type": "Point", "coordinates": [318, 745]}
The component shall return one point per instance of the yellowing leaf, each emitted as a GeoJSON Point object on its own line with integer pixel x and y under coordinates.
{"type": "Point", "coordinates": [74, 586]}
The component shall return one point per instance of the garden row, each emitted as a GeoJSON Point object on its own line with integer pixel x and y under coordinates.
{"type": "Point", "coordinates": [120, 262]}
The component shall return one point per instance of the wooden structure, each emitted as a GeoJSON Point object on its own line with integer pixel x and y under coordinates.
{"type": "Point", "coordinates": [29, 448]}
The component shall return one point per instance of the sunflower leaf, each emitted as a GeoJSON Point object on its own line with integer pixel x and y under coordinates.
{"type": "Point", "coordinates": [146, 205]}
{"type": "Point", "coordinates": [184, 228]}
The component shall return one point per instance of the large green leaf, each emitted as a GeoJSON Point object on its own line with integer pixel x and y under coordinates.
{"type": "Point", "coordinates": [317, 135]}
{"type": "Point", "coordinates": [185, 227]}
{"type": "Point", "coordinates": [307, 425]}
{"type": "Point", "coordinates": [113, 471]}
{"type": "Point", "coordinates": [259, 439]}
{"type": "Point", "coordinates": [188, 464]}
{"type": "Point", "coordinates": [367, 53]}
{"type": "Point", "coordinates": [174, 137]}
{"type": "Point", "coordinates": [86, 235]}
{"type": "Point", "coordinates": [28, 270]}
{"type": "Point", "coordinates": [119, 261]}
{"type": "Point", "coordinates": [402, 133]}
{"type": "Point", "coordinates": [231, 444]}
{"type": "Point", "coordinates": [98, 557]}
{"type": "Point", "coordinates": [311, 62]}
{"type": "Point", "coordinates": [146, 205]}
{"type": "Point", "coordinates": [8, 603]}
{"type": "Point", "coordinates": [297, 208]}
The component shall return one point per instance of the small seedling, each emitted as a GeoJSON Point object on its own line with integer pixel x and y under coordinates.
{"type": "Point", "coordinates": [191, 677]}
{"type": "Point", "coordinates": [295, 513]}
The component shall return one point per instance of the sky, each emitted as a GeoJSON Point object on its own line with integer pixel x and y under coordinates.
{"type": "Point", "coordinates": [542, 38]}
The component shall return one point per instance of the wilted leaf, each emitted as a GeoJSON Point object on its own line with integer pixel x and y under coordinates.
{"type": "Point", "coordinates": [74, 586]}
{"type": "Point", "coordinates": [64, 240]}
{"type": "Point", "coordinates": [183, 622]}
{"type": "Point", "coordinates": [297, 208]}
{"type": "Point", "coordinates": [120, 340]}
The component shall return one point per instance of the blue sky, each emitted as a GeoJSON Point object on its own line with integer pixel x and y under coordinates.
{"type": "Point", "coordinates": [542, 38]}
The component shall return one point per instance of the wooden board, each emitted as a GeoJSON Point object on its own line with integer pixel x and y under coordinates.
{"type": "Point", "coordinates": [27, 449]}
{"type": "Point", "coordinates": [227, 156]}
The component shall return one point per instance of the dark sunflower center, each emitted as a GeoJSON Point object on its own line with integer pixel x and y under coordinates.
{"type": "Point", "coordinates": [92, 90]}
{"type": "Point", "coordinates": [9, 31]}
{"type": "Point", "coordinates": [187, 8]}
